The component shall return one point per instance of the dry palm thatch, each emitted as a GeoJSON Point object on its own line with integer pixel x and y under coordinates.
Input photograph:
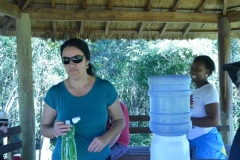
{"type": "Point", "coordinates": [116, 19]}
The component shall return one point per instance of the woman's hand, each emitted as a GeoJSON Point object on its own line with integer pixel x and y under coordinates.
{"type": "Point", "coordinates": [61, 129]}
{"type": "Point", "coordinates": [98, 144]}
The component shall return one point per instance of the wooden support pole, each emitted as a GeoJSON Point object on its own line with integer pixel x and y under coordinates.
{"type": "Point", "coordinates": [224, 37]}
{"type": "Point", "coordinates": [25, 86]}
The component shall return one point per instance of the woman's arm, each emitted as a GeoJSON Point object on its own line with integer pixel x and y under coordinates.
{"type": "Point", "coordinates": [48, 127]}
{"type": "Point", "coordinates": [99, 143]}
{"type": "Point", "coordinates": [114, 140]}
{"type": "Point", "coordinates": [212, 119]}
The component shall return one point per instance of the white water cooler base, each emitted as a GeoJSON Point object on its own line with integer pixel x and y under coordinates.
{"type": "Point", "coordinates": [169, 148]}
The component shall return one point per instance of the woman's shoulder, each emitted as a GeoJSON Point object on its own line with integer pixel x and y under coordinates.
{"type": "Point", "coordinates": [103, 81]}
{"type": "Point", "coordinates": [210, 87]}
{"type": "Point", "coordinates": [57, 86]}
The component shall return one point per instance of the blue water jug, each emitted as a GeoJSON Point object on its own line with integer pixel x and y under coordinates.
{"type": "Point", "coordinates": [169, 105]}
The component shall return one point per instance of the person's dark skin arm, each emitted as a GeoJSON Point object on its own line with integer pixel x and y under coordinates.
{"type": "Point", "coordinates": [212, 119]}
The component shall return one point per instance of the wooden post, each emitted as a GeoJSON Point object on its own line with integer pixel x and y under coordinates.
{"type": "Point", "coordinates": [224, 56]}
{"type": "Point", "coordinates": [25, 87]}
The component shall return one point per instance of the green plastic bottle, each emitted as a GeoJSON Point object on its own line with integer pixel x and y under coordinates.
{"type": "Point", "coordinates": [68, 149]}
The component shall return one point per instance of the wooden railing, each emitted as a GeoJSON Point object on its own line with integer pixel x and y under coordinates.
{"type": "Point", "coordinates": [146, 118]}
{"type": "Point", "coordinates": [143, 152]}
{"type": "Point", "coordinates": [11, 145]}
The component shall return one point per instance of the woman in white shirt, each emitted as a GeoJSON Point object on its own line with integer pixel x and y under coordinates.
{"type": "Point", "coordinates": [205, 141]}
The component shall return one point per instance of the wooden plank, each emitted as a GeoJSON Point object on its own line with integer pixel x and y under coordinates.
{"type": "Point", "coordinates": [107, 28]}
{"type": "Point", "coordinates": [10, 147]}
{"type": "Point", "coordinates": [187, 29]}
{"type": "Point", "coordinates": [111, 4]}
{"type": "Point", "coordinates": [25, 87]}
{"type": "Point", "coordinates": [149, 5]}
{"type": "Point", "coordinates": [11, 131]}
{"type": "Point", "coordinates": [121, 31]}
{"type": "Point", "coordinates": [9, 9]}
{"type": "Point", "coordinates": [202, 5]}
{"type": "Point", "coordinates": [138, 151]}
{"type": "Point", "coordinates": [53, 4]}
{"type": "Point", "coordinates": [223, 128]}
{"type": "Point", "coordinates": [81, 27]}
{"type": "Point", "coordinates": [10, 154]}
{"type": "Point", "coordinates": [133, 118]}
{"type": "Point", "coordinates": [175, 6]}
{"type": "Point", "coordinates": [224, 116]}
{"type": "Point", "coordinates": [234, 16]}
{"type": "Point", "coordinates": [135, 157]}
{"type": "Point", "coordinates": [24, 4]}
{"type": "Point", "coordinates": [51, 14]}
{"type": "Point", "coordinates": [140, 30]}
{"type": "Point", "coordinates": [143, 153]}
{"type": "Point", "coordinates": [84, 4]}
{"type": "Point", "coordinates": [54, 27]}
{"type": "Point", "coordinates": [135, 130]}
{"type": "Point", "coordinates": [163, 29]}
{"type": "Point", "coordinates": [7, 25]}
{"type": "Point", "coordinates": [224, 7]}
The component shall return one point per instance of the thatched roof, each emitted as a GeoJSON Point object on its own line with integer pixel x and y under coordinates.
{"type": "Point", "coordinates": [131, 19]}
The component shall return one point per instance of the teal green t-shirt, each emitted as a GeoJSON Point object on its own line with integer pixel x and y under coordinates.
{"type": "Point", "coordinates": [91, 108]}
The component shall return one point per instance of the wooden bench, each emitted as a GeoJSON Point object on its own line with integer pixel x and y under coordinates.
{"type": "Point", "coordinates": [12, 145]}
{"type": "Point", "coordinates": [143, 152]}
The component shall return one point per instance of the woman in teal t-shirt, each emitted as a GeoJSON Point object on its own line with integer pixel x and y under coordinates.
{"type": "Point", "coordinates": [87, 96]}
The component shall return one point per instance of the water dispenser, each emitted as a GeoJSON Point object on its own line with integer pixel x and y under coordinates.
{"type": "Point", "coordinates": [169, 116]}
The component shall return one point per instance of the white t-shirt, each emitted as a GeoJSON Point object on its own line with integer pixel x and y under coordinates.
{"type": "Point", "coordinates": [199, 98]}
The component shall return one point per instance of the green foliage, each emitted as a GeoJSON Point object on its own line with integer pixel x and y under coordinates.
{"type": "Point", "coordinates": [144, 139]}
{"type": "Point", "coordinates": [8, 78]}
{"type": "Point", "coordinates": [125, 63]}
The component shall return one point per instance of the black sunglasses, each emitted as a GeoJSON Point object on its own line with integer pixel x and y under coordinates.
{"type": "Point", "coordinates": [75, 59]}
{"type": "Point", "coordinates": [3, 124]}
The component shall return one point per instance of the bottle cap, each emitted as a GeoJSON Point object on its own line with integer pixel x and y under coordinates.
{"type": "Point", "coordinates": [76, 119]}
{"type": "Point", "coordinates": [67, 122]}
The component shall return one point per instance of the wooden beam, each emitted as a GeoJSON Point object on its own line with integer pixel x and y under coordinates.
{"type": "Point", "coordinates": [149, 5]}
{"type": "Point", "coordinates": [225, 84]}
{"type": "Point", "coordinates": [234, 16]}
{"type": "Point", "coordinates": [54, 27]}
{"type": "Point", "coordinates": [141, 28]}
{"type": "Point", "coordinates": [24, 4]}
{"type": "Point", "coordinates": [224, 7]}
{"type": "Point", "coordinates": [25, 86]}
{"type": "Point", "coordinates": [187, 29]}
{"type": "Point", "coordinates": [84, 4]}
{"type": "Point", "coordinates": [202, 5]}
{"type": "Point", "coordinates": [53, 4]}
{"type": "Point", "coordinates": [111, 4]}
{"type": "Point", "coordinates": [49, 14]}
{"type": "Point", "coordinates": [9, 9]}
{"type": "Point", "coordinates": [163, 29]}
{"type": "Point", "coordinates": [175, 6]}
{"type": "Point", "coordinates": [124, 31]}
{"type": "Point", "coordinates": [107, 28]}
{"type": "Point", "coordinates": [54, 23]}
{"type": "Point", "coordinates": [72, 6]}
{"type": "Point", "coordinates": [82, 27]}
{"type": "Point", "coordinates": [7, 25]}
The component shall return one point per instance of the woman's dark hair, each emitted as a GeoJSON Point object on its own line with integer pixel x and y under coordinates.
{"type": "Point", "coordinates": [208, 62]}
{"type": "Point", "coordinates": [81, 45]}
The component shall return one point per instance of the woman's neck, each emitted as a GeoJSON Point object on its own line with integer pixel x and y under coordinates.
{"type": "Point", "coordinates": [80, 82]}
{"type": "Point", "coordinates": [199, 85]}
